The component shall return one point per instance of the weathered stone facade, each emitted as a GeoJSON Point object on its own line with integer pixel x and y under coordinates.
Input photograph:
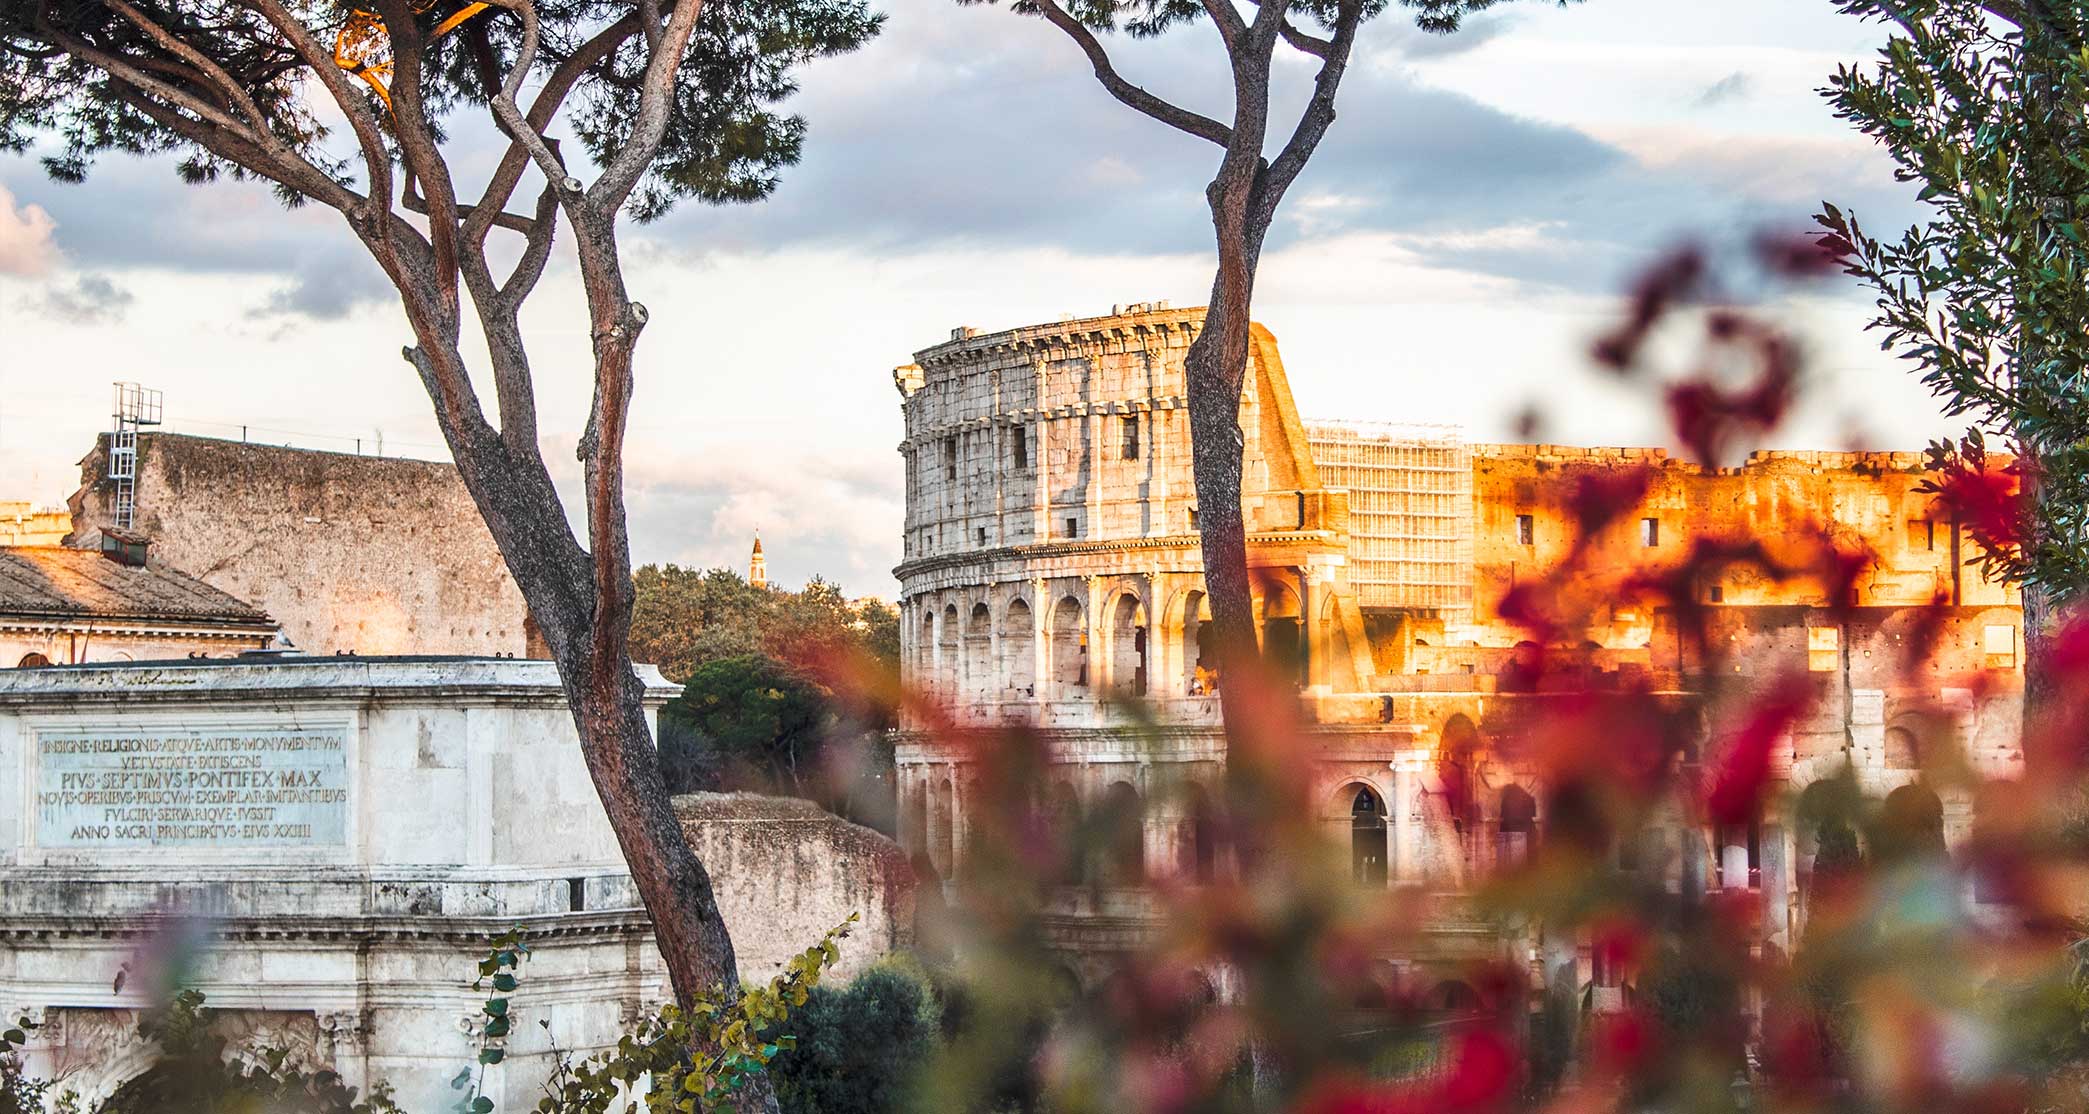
{"type": "Point", "coordinates": [785, 871]}
{"type": "Point", "coordinates": [1052, 566]}
{"type": "Point", "coordinates": [416, 808]}
{"type": "Point", "coordinates": [351, 554]}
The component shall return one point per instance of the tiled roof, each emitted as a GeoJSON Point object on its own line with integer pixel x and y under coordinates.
{"type": "Point", "coordinates": [51, 582]}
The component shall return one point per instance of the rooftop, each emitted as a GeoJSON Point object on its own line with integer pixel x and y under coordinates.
{"type": "Point", "coordinates": [54, 582]}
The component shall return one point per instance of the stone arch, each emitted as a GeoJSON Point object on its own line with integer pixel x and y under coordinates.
{"type": "Point", "coordinates": [1516, 831]}
{"type": "Point", "coordinates": [1069, 648]}
{"type": "Point", "coordinates": [1903, 747]}
{"type": "Point", "coordinates": [1125, 638]}
{"type": "Point", "coordinates": [1912, 821]}
{"type": "Point", "coordinates": [1368, 843]}
{"type": "Point", "coordinates": [1452, 996]}
{"type": "Point", "coordinates": [1124, 849]}
{"type": "Point", "coordinates": [1199, 848]}
{"type": "Point", "coordinates": [947, 649]}
{"type": "Point", "coordinates": [1280, 622]}
{"type": "Point", "coordinates": [925, 649]}
{"type": "Point", "coordinates": [942, 844]}
{"type": "Point", "coordinates": [1193, 628]}
{"type": "Point", "coordinates": [32, 660]}
{"type": "Point", "coordinates": [979, 654]}
{"type": "Point", "coordinates": [1065, 822]}
{"type": "Point", "coordinates": [1019, 649]}
{"type": "Point", "coordinates": [914, 828]}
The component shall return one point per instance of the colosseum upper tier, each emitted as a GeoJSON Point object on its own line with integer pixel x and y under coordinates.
{"type": "Point", "coordinates": [1051, 570]}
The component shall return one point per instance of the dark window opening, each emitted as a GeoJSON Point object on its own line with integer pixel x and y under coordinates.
{"type": "Point", "coordinates": [950, 458]}
{"type": "Point", "coordinates": [576, 895]}
{"type": "Point", "coordinates": [982, 536]}
{"type": "Point", "coordinates": [1131, 438]}
{"type": "Point", "coordinates": [1526, 530]}
{"type": "Point", "coordinates": [1717, 594]}
{"type": "Point", "coordinates": [1367, 839]}
{"type": "Point", "coordinates": [1650, 532]}
{"type": "Point", "coordinates": [1073, 527]}
{"type": "Point", "coordinates": [1021, 445]}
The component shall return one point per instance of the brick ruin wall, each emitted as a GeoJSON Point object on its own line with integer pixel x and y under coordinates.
{"type": "Point", "coordinates": [349, 553]}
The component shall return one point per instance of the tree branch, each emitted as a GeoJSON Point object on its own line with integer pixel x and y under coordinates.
{"type": "Point", "coordinates": [1299, 40]}
{"type": "Point", "coordinates": [1181, 119]}
{"type": "Point", "coordinates": [655, 106]}
{"type": "Point", "coordinates": [353, 103]}
{"type": "Point", "coordinates": [1319, 113]}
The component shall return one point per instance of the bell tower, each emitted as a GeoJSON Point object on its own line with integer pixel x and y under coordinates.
{"type": "Point", "coordinates": [757, 566]}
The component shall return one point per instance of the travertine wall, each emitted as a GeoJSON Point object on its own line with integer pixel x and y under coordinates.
{"type": "Point", "coordinates": [785, 871]}
{"type": "Point", "coordinates": [348, 553]}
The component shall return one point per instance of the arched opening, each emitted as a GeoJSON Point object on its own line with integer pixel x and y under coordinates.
{"type": "Point", "coordinates": [1127, 647]}
{"type": "Point", "coordinates": [1019, 650]}
{"type": "Point", "coordinates": [31, 660]}
{"type": "Point", "coordinates": [1124, 829]}
{"type": "Point", "coordinates": [1912, 823]}
{"type": "Point", "coordinates": [1283, 632]}
{"type": "Point", "coordinates": [1367, 837]}
{"type": "Point", "coordinates": [925, 652]}
{"type": "Point", "coordinates": [1200, 844]}
{"type": "Point", "coordinates": [1065, 818]}
{"type": "Point", "coordinates": [1452, 997]}
{"type": "Point", "coordinates": [914, 832]}
{"type": "Point", "coordinates": [979, 655]}
{"type": "Point", "coordinates": [1069, 648]}
{"type": "Point", "coordinates": [947, 654]}
{"type": "Point", "coordinates": [1457, 761]}
{"type": "Point", "coordinates": [942, 847]}
{"type": "Point", "coordinates": [1518, 832]}
{"type": "Point", "coordinates": [1200, 675]}
{"type": "Point", "coordinates": [1903, 749]}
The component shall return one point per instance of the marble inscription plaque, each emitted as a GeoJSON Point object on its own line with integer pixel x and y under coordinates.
{"type": "Point", "coordinates": [201, 787]}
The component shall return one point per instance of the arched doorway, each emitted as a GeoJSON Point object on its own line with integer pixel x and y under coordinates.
{"type": "Point", "coordinates": [925, 651]}
{"type": "Point", "coordinates": [1065, 818]}
{"type": "Point", "coordinates": [1069, 648]}
{"type": "Point", "coordinates": [1200, 845]}
{"type": "Point", "coordinates": [1019, 650]}
{"type": "Point", "coordinates": [1283, 632]}
{"type": "Point", "coordinates": [1199, 668]}
{"type": "Point", "coordinates": [1367, 837]}
{"type": "Point", "coordinates": [1518, 832]}
{"type": "Point", "coordinates": [1912, 822]}
{"type": "Point", "coordinates": [1457, 770]}
{"type": "Point", "coordinates": [979, 655]}
{"type": "Point", "coordinates": [947, 654]}
{"type": "Point", "coordinates": [914, 831]}
{"type": "Point", "coordinates": [1903, 750]}
{"type": "Point", "coordinates": [1127, 647]}
{"type": "Point", "coordinates": [942, 847]}
{"type": "Point", "coordinates": [1124, 827]}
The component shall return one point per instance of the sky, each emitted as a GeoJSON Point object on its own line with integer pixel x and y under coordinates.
{"type": "Point", "coordinates": [1466, 228]}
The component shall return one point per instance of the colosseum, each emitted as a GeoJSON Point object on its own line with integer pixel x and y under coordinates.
{"type": "Point", "coordinates": [1051, 570]}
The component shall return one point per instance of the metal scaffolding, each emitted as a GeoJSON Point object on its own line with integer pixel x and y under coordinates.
{"type": "Point", "coordinates": [136, 407]}
{"type": "Point", "coordinates": [1410, 511]}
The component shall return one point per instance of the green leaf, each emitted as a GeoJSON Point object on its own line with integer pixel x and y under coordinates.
{"type": "Point", "coordinates": [492, 1055]}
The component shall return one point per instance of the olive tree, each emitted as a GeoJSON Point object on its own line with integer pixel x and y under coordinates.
{"type": "Point", "coordinates": [667, 100]}
{"type": "Point", "coordinates": [1243, 197]}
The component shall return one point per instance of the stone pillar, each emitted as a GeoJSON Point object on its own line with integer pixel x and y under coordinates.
{"type": "Point", "coordinates": [958, 829]}
{"type": "Point", "coordinates": [1775, 842]}
{"type": "Point", "coordinates": [344, 1044]}
{"type": "Point", "coordinates": [1309, 665]}
{"type": "Point", "coordinates": [1044, 686]}
{"type": "Point", "coordinates": [1092, 629]}
{"type": "Point", "coordinates": [1407, 764]}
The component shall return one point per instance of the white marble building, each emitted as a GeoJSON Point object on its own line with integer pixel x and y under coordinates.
{"type": "Point", "coordinates": [348, 833]}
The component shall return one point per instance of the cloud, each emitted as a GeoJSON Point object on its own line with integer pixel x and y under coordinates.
{"type": "Point", "coordinates": [90, 299]}
{"type": "Point", "coordinates": [1733, 86]}
{"type": "Point", "coordinates": [328, 288]}
{"type": "Point", "coordinates": [26, 249]}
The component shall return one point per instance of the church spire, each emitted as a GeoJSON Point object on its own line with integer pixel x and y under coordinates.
{"type": "Point", "coordinates": [757, 565]}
